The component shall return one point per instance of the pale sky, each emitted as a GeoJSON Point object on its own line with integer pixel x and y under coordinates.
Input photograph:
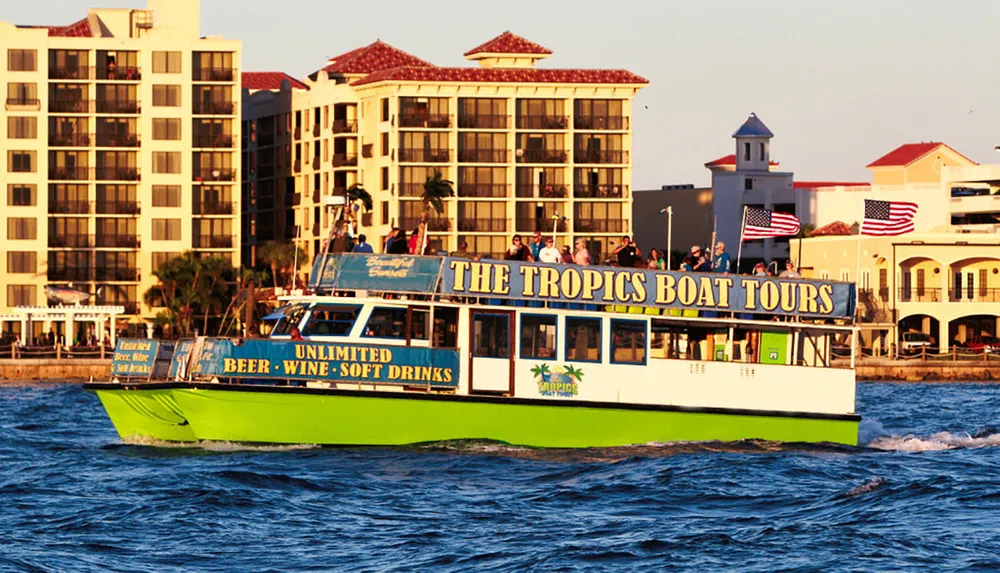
{"type": "Point", "coordinates": [839, 83]}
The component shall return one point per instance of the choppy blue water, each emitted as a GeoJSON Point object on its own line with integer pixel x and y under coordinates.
{"type": "Point", "coordinates": [922, 493]}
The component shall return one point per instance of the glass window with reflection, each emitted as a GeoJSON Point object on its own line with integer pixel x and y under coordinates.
{"type": "Point", "coordinates": [491, 336]}
{"type": "Point", "coordinates": [583, 339]}
{"type": "Point", "coordinates": [538, 336]}
{"type": "Point", "coordinates": [386, 323]}
{"type": "Point", "coordinates": [330, 320]}
{"type": "Point", "coordinates": [628, 342]}
{"type": "Point", "coordinates": [420, 320]}
{"type": "Point", "coordinates": [293, 316]}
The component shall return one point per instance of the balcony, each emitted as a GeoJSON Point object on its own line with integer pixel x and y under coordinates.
{"type": "Point", "coordinates": [434, 225]}
{"type": "Point", "coordinates": [214, 141]}
{"type": "Point", "coordinates": [344, 126]}
{"type": "Point", "coordinates": [119, 241]}
{"type": "Point", "coordinates": [62, 207]}
{"type": "Point", "coordinates": [213, 242]}
{"type": "Point", "coordinates": [424, 155]}
{"type": "Point", "coordinates": [74, 105]}
{"type": "Point", "coordinates": [482, 225]}
{"type": "Point", "coordinates": [213, 208]}
{"type": "Point", "coordinates": [528, 121]}
{"type": "Point", "coordinates": [316, 162]}
{"type": "Point", "coordinates": [117, 207]}
{"type": "Point", "coordinates": [213, 174]}
{"type": "Point", "coordinates": [601, 122]}
{"type": "Point", "coordinates": [479, 190]}
{"type": "Point", "coordinates": [977, 295]}
{"type": "Point", "coordinates": [23, 104]}
{"type": "Point", "coordinates": [70, 173]}
{"type": "Point", "coordinates": [117, 174]}
{"type": "Point", "coordinates": [482, 156]}
{"type": "Point", "coordinates": [117, 274]}
{"type": "Point", "coordinates": [427, 120]}
{"type": "Point", "coordinates": [549, 190]}
{"type": "Point", "coordinates": [70, 241]}
{"type": "Point", "coordinates": [911, 294]}
{"type": "Point", "coordinates": [120, 74]}
{"type": "Point", "coordinates": [69, 139]}
{"type": "Point", "coordinates": [600, 226]}
{"type": "Point", "coordinates": [71, 72]}
{"type": "Point", "coordinates": [213, 74]}
{"type": "Point", "coordinates": [117, 140]}
{"type": "Point", "coordinates": [609, 191]}
{"type": "Point", "coordinates": [411, 189]}
{"type": "Point", "coordinates": [483, 121]}
{"type": "Point", "coordinates": [540, 224]}
{"type": "Point", "coordinates": [541, 156]}
{"type": "Point", "coordinates": [71, 274]}
{"type": "Point", "coordinates": [213, 107]}
{"type": "Point", "coordinates": [600, 156]}
{"type": "Point", "coordinates": [345, 160]}
{"type": "Point", "coordinates": [118, 106]}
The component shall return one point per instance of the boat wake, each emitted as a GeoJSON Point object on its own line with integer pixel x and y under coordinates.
{"type": "Point", "coordinates": [936, 442]}
{"type": "Point", "coordinates": [214, 446]}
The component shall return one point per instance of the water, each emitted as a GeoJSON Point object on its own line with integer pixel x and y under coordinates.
{"type": "Point", "coordinates": [922, 493]}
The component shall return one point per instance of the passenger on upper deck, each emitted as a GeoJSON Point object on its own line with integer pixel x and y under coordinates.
{"type": "Point", "coordinates": [582, 255]}
{"type": "Point", "coordinates": [549, 253]}
{"type": "Point", "coordinates": [626, 253]}
{"type": "Point", "coordinates": [518, 251]}
{"type": "Point", "coordinates": [536, 245]}
{"type": "Point", "coordinates": [463, 251]}
{"type": "Point", "coordinates": [363, 246]}
{"type": "Point", "coordinates": [399, 244]}
{"type": "Point", "coordinates": [721, 262]}
{"type": "Point", "coordinates": [790, 272]}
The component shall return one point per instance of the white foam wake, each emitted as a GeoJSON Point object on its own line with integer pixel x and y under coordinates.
{"type": "Point", "coordinates": [937, 442]}
{"type": "Point", "coordinates": [211, 446]}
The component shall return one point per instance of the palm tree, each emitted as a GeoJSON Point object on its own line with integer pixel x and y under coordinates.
{"type": "Point", "coordinates": [280, 257]}
{"type": "Point", "coordinates": [436, 190]}
{"type": "Point", "coordinates": [212, 290]}
{"type": "Point", "coordinates": [356, 195]}
{"type": "Point", "coordinates": [179, 289]}
{"type": "Point", "coordinates": [244, 300]}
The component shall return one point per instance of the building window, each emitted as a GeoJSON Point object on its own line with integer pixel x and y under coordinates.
{"type": "Point", "coordinates": [385, 109]}
{"type": "Point", "coordinates": [22, 60]}
{"type": "Point", "coordinates": [166, 62]}
{"type": "Point", "coordinates": [385, 144]}
{"type": "Point", "coordinates": [538, 336]}
{"type": "Point", "coordinates": [385, 213]}
{"type": "Point", "coordinates": [583, 339]}
{"type": "Point", "coordinates": [166, 195]}
{"type": "Point", "coordinates": [22, 127]}
{"type": "Point", "coordinates": [763, 151]}
{"type": "Point", "coordinates": [628, 342]}
{"type": "Point", "coordinates": [385, 178]}
{"type": "Point", "coordinates": [845, 275]}
{"type": "Point", "coordinates": [166, 96]}
{"type": "Point", "coordinates": [160, 259]}
{"type": "Point", "coordinates": [746, 150]}
{"type": "Point", "coordinates": [20, 195]}
{"type": "Point", "coordinates": [166, 129]}
{"type": "Point", "coordinates": [20, 161]}
{"type": "Point", "coordinates": [22, 93]}
{"type": "Point", "coordinates": [22, 262]}
{"type": "Point", "coordinates": [20, 295]}
{"type": "Point", "coordinates": [166, 229]}
{"type": "Point", "coordinates": [22, 228]}
{"type": "Point", "coordinates": [166, 162]}
{"type": "Point", "coordinates": [748, 183]}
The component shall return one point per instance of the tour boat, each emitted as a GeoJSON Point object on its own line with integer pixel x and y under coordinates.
{"type": "Point", "coordinates": [397, 350]}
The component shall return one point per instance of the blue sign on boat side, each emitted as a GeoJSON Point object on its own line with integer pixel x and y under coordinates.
{"type": "Point", "coordinates": [178, 364]}
{"type": "Point", "coordinates": [377, 272]}
{"type": "Point", "coordinates": [307, 360]}
{"type": "Point", "coordinates": [134, 357]}
{"type": "Point", "coordinates": [637, 287]}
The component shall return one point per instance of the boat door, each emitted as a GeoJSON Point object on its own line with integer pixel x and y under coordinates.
{"type": "Point", "coordinates": [491, 362]}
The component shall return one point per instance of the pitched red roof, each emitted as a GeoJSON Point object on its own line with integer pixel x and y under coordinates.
{"type": "Point", "coordinates": [503, 75]}
{"type": "Point", "coordinates": [78, 29]}
{"type": "Point", "coordinates": [508, 43]}
{"type": "Point", "coordinates": [372, 58]}
{"type": "Point", "coordinates": [729, 160]}
{"type": "Point", "coordinates": [268, 81]}
{"type": "Point", "coordinates": [818, 184]}
{"type": "Point", "coordinates": [833, 229]}
{"type": "Point", "coordinates": [908, 153]}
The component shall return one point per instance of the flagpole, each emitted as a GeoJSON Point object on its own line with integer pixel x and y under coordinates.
{"type": "Point", "coordinates": [857, 264]}
{"type": "Point", "coordinates": [739, 251]}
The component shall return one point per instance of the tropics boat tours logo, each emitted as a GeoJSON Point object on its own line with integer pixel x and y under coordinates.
{"type": "Point", "coordinates": [562, 381]}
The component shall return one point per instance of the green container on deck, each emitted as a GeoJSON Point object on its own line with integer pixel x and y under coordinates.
{"type": "Point", "coordinates": [773, 347]}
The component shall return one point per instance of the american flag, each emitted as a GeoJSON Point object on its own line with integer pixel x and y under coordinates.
{"type": "Point", "coordinates": [762, 223]}
{"type": "Point", "coordinates": [888, 218]}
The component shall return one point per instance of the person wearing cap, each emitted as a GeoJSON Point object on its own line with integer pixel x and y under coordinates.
{"type": "Point", "coordinates": [700, 261]}
{"type": "Point", "coordinates": [549, 253]}
{"type": "Point", "coordinates": [760, 270]}
{"type": "Point", "coordinates": [721, 262]}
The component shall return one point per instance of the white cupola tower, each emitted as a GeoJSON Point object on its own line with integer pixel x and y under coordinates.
{"type": "Point", "coordinates": [753, 145]}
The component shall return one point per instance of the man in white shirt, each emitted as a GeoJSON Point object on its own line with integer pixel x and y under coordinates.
{"type": "Point", "coordinates": [549, 253]}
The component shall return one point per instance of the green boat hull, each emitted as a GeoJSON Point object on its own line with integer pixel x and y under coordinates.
{"type": "Point", "coordinates": [332, 417]}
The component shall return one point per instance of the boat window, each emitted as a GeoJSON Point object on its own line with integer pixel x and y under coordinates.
{"type": "Point", "coordinates": [420, 320]}
{"type": "Point", "coordinates": [386, 323]}
{"type": "Point", "coordinates": [292, 317]}
{"type": "Point", "coordinates": [445, 327]}
{"type": "Point", "coordinates": [491, 335]}
{"type": "Point", "coordinates": [583, 339]}
{"type": "Point", "coordinates": [331, 320]}
{"type": "Point", "coordinates": [538, 336]}
{"type": "Point", "coordinates": [628, 341]}
{"type": "Point", "coordinates": [667, 340]}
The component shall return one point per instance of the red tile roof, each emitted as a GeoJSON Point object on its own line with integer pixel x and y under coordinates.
{"type": "Point", "coordinates": [833, 229]}
{"type": "Point", "coordinates": [508, 43]}
{"type": "Point", "coordinates": [503, 75]}
{"type": "Point", "coordinates": [372, 58]}
{"type": "Point", "coordinates": [908, 153]}
{"type": "Point", "coordinates": [729, 160]}
{"type": "Point", "coordinates": [818, 184]}
{"type": "Point", "coordinates": [78, 29]}
{"type": "Point", "coordinates": [268, 81]}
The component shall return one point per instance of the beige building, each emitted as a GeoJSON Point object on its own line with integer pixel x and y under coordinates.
{"type": "Point", "coordinates": [118, 151]}
{"type": "Point", "coordinates": [526, 146]}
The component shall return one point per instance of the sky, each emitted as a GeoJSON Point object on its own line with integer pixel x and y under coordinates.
{"type": "Point", "coordinates": [839, 83]}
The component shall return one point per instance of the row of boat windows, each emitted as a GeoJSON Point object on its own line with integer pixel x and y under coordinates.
{"type": "Point", "coordinates": [539, 338]}
{"type": "Point", "coordinates": [384, 322]}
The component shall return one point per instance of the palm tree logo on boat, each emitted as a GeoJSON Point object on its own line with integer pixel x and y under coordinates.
{"type": "Point", "coordinates": [561, 381]}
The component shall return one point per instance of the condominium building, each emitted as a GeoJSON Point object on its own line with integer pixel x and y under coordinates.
{"type": "Point", "coordinates": [528, 148]}
{"type": "Point", "coordinates": [118, 151]}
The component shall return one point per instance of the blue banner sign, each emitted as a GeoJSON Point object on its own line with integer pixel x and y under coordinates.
{"type": "Point", "coordinates": [134, 357]}
{"type": "Point", "coordinates": [178, 364]}
{"type": "Point", "coordinates": [393, 273]}
{"type": "Point", "coordinates": [333, 362]}
{"type": "Point", "coordinates": [636, 287]}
